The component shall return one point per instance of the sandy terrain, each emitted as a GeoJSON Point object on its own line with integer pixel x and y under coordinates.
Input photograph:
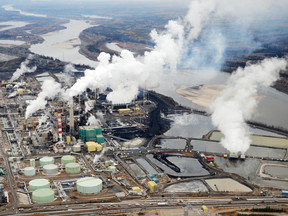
{"type": "Point", "coordinates": [203, 95]}
{"type": "Point", "coordinates": [70, 44]}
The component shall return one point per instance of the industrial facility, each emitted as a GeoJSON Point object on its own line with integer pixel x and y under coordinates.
{"type": "Point", "coordinates": [67, 153]}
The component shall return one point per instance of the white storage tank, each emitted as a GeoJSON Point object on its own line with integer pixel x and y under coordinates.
{"type": "Point", "coordinates": [39, 184]}
{"type": "Point", "coordinates": [72, 168]}
{"type": "Point", "coordinates": [43, 195]}
{"type": "Point", "coordinates": [112, 168]}
{"type": "Point", "coordinates": [32, 162]}
{"type": "Point", "coordinates": [68, 159]}
{"type": "Point", "coordinates": [50, 169]}
{"type": "Point", "coordinates": [76, 148]}
{"type": "Point", "coordinates": [29, 171]}
{"type": "Point", "coordinates": [46, 160]}
{"type": "Point", "coordinates": [89, 185]}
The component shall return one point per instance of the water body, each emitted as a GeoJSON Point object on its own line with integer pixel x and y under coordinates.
{"type": "Point", "coordinates": [227, 184]}
{"type": "Point", "coordinates": [12, 24]}
{"type": "Point", "coordinates": [271, 108]}
{"type": "Point", "coordinates": [275, 171]}
{"type": "Point", "coordinates": [10, 8]}
{"type": "Point", "coordinates": [137, 170]}
{"type": "Point", "coordinates": [97, 17]}
{"type": "Point", "coordinates": [190, 125]}
{"type": "Point", "coordinates": [147, 166]}
{"type": "Point", "coordinates": [253, 151]}
{"type": "Point", "coordinates": [72, 31]}
{"type": "Point", "coordinates": [12, 42]}
{"type": "Point", "coordinates": [245, 168]}
{"type": "Point", "coordinates": [270, 183]}
{"type": "Point", "coordinates": [189, 167]}
{"type": "Point", "coordinates": [171, 144]}
{"type": "Point", "coordinates": [192, 186]}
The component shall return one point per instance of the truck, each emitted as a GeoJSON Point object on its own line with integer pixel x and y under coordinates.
{"type": "Point", "coordinates": [162, 203]}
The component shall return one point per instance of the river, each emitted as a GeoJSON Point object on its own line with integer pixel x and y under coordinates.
{"type": "Point", "coordinates": [55, 44]}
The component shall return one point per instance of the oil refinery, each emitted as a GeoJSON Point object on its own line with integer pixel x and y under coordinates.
{"type": "Point", "coordinates": [88, 150]}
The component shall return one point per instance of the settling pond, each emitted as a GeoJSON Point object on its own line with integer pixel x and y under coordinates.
{"type": "Point", "coordinates": [189, 167]}
{"type": "Point", "coordinates": [253, 151]}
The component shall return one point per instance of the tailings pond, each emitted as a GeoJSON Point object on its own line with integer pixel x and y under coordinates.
{"type": "Point", "coordinates": [277, 171]}
{"type": "Point", "coordinates": [178, 165]}
{"type": "Point", "coordinates": [253, 151]}
{"type": "Point", "coordinates": [171, 144]}
{"type": "Point", "coordinates": [146, 165]}
{"type": "Point", "coordinates": [192, 186]}
{"type": "Point", "coordinates": [227, 184]}
{"type": "Point", "coordinates": [245, 168]}
{"type": "Point", "coordinates": [137, 170]}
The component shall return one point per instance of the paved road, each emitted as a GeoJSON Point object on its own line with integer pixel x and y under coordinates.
{"type": "Point", "coordinates": [129, 206]}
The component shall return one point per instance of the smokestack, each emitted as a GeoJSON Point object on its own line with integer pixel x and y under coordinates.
{"type": "Point", "coordinates": [71, 115]}
{"type": "Point", "coordinates": [59, 126]}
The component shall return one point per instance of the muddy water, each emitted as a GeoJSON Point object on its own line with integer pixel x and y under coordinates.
{"type": "Point", "coordinates": [192, 186]}
{"type": "Point", "coordinates": [137, 170]}
{"type": "Point", "coordinates": [146, 165]}
{"type": "Point", "coordinates": [191, 125]}
{"type": "Point", "coordinates": [188, 166]}
{"type": "Point", "coordinates": [227, 184]}
{"type": "Point", "coordinates": [245, 168]}
{"type": "Point", "coordinates": [171, 144]}
{"type": "Point", "coordinates": [275, 171]}
{"type": "Point", "coordinates": [253, 151]}
{"type": "Point", "coordinates": [270, 183]}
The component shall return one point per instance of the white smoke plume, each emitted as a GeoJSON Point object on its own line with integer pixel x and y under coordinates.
{"type": "Point", "coordinates": [23, 68]}
{"type": "Point", "coordinates": [68, 79]}
{"type": "Point", "coordinates": [125, 74]}
{"type": "Point", "coordinates": [236, 103]}
{"type": "Point", "coordinates": [50, 89]}
{"type": "Point", "coordinates": [92, 120]}
{"type": "Point", "coordinates": [88, 106]}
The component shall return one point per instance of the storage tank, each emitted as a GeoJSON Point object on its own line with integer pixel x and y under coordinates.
{"type": "Point", "coordinates": [72, 168]}
{"type": "Point", "coordinates": [68, 159]}
{"type": "Point", "coordinates": [76, 148]}
{"type": "Point", "coordinates": [43, 195]}
{"type": "Point", "coordinates": [112, 168]}
{"type": "Point", "coordinates": [29, 171]}
{"type": "Point", "coordinates": [50, 169]}
{"type": "Point", "coordinates": [89, 185]}
{"type": "Point", "coordinates": [46, 160]}
{"type": "Point", "coordinates": [32, 162]}
{"type": "Point", "coordinates": [39, 184]}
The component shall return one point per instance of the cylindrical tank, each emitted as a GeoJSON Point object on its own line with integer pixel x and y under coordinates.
{"type": "Point", "coordinates": [67, 159]}
{"type": "Point", "coordinates": [39, 184]}
{"type": "Point", "coordinates": [32, 163]}
{"type": "Point", "coordinates": [29, 171]}
{"type": "Point", "coordinates": [112, 168]}
{"type": "Point", "coordinates": [76, 148]}
{"type": "Point", "coordinates": [107, 163]}
{"type": "Point", "coordinates": [50, 169]}
{"type": "Point", "coordinates": [43, 195]}
{"type": "Point", "coordinates": [72, 168]}
{"type": "Point", "coordinates": [89, 185]}
{"type": "Point", "coordinates": [46, 160]}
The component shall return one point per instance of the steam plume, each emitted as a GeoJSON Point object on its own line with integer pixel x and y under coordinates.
{"type": "Point", "coordinates": [49, 90]}
{"type": "Point", "coordinates": [235, 104]}
{"type": "Point", "coordinates": [23, 68]}
{"type": "Point", "coordinates": [125, 74]}
{"type": "Point", "coordinates": [92, 120]}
